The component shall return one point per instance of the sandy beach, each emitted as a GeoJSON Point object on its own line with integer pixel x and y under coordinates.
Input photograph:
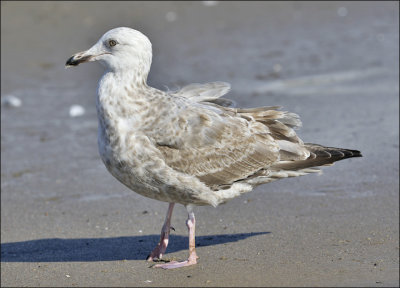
{"type": "Point", "coordinates": [65, 221]}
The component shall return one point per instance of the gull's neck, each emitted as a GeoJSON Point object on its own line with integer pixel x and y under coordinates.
{"type": "Point", "coordinates": [131, 79]}
{"type": "Point", "coordinates": [124, 93]}
{"type": "Point", "coordinates": [122, 84]}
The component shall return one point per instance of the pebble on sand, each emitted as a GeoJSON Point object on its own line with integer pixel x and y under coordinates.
{"type": "Point", "coordinates": [209, 3]}
{"type": "Point", "coordinates": [277, 68]}
{"type": "Point", "coordinates": [11, 101]}
{"type": "Point", "coordinates": [171, 16]}
{"type": "Point", "coordinates": [76, 111]}
{"type": "Point", "coordinates": [342, 11]}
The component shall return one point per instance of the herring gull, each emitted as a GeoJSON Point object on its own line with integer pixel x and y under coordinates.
{"type": "Point", "coordinates": [189, 146]}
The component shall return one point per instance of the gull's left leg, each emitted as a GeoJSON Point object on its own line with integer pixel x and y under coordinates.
{"type": "Point", "coordinates": [191, 224]}
{"type": "Point", "coordinates": [159, 251]}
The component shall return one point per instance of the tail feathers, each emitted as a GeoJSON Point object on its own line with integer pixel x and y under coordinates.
{"type": "Point", "coordinates": [333, 153]}
{"type": "Point", "coordinates": [319, 156]}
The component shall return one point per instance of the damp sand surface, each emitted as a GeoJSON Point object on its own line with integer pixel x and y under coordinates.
{"type": "Point", "coordinates": [65, 221]}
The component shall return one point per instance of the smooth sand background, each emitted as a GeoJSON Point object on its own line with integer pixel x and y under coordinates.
{"type": "Point", "coordinates": [66, 222]}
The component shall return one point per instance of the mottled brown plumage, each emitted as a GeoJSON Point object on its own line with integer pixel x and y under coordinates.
{"type": "Point", "coordinates": [189, 146]}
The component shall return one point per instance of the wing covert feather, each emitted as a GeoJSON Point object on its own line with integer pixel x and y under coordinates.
{"type": "Point", "coordinates": [221, 149]}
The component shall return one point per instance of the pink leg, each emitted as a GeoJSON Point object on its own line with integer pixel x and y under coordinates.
{"type": "Point", "coordinates": [191, 224]}
{"type": "Point", "coordinates": [159, 251]}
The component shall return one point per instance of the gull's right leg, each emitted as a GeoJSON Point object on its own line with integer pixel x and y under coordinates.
{"type": "Point", "coordinates": [191, 224]}
{"type": "Point", "coordinates": [159, 251]}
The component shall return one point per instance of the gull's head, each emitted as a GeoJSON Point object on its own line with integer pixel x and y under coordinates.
{"type": "Point", "coordinates": [119, 49]}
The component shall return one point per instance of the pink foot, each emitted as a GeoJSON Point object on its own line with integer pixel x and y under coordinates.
{"type": "Point", "coordinates": [159, 251]}
{"type": "Point", "coordinates": [175, 264]}
{"type": "Point", "coordinates": [190, 223]}
{"type": "Point", "coordinates": [192, 260]}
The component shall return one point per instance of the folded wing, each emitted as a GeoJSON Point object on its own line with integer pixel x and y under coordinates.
{"type": "Point", "coordinates": [230, 145]}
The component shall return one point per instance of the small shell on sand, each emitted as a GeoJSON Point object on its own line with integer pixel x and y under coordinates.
{"type": "Point", "coordinates": [76, 111]}
{"type": "Point", "coordinates": [171, 16]}
{"type": "Point", "coordinates": [11, 101]}
{"type": "Point", "coordinates": [209, 3]}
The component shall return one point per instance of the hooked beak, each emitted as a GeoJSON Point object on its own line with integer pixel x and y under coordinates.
{"type": "Point", "coordinates": [84, 56]}
{"type": "Point", "coordinates": [78, 58]}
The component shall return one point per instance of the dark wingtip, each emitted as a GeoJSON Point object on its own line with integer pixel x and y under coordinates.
{"type": "Point", "coordinates": [355, 153]}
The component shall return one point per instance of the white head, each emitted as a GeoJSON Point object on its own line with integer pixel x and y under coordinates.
{"type": "Point", "coordinates": [120, 49]}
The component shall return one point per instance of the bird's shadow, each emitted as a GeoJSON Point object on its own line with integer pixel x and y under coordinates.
{"type": "Point", "coordinates": [104, 249]}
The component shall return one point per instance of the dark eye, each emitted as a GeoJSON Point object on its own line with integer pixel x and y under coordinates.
{"type": "Point", "coordinates": [112, 43]}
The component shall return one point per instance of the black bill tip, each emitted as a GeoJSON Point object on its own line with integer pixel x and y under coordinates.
{"type": "Point", "coordinates": [71, 62]}
{"type": "Point", "coordinates": [76, 60]}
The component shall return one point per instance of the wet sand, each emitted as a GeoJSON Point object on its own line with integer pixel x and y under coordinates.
{"type": "Point", "coordinates": [66, 222]}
